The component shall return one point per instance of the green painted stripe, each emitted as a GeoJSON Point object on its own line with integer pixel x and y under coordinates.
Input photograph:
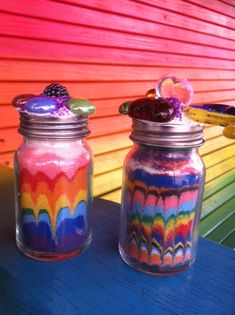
{"type": "Point", "coordinates": [217, 200]}
{"type": "Point", "coordinates": [214, 219]}
{"type": "Point", "coordinates": [219, 183]}
{"type": "Point", "coordinates": [230, 240]}
{"type": "Point", "coordinates": [223, 230]}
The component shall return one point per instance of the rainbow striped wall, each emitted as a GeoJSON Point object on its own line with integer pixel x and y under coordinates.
{"type": "Point", "coordinates": [111, 51]}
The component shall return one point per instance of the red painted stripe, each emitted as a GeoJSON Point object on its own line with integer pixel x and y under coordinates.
{"type": "Point", "coordinates": [19, 26]}
{"type": "Point", "coordinates": [162, 13]}
{"type": "Point", "coordinates": [65, 13]}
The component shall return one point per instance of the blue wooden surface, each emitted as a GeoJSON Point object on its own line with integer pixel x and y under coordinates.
{"type": "Point", "coordinates": [98, 282]}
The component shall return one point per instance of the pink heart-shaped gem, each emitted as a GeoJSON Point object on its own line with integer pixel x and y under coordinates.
{"type": "Point", "coordinates": [169, 86]}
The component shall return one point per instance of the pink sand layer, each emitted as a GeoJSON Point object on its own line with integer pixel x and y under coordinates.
{"type": "Point", "coordinates": [52, 163]}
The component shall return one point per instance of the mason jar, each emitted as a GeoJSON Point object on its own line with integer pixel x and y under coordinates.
{"type": "Point", "coordinates": [53, 184]}
{"type": "Point", "coordinates": [163, 182]}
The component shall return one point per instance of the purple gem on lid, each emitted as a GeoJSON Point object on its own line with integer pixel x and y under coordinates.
{"type": "Point", "coordinates": [41, 105]}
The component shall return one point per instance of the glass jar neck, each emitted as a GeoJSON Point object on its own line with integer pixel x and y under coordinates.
{"type": "Point", "coordinates": [55, 143]}
{"type": "Point", "coordinates": [148, 147]}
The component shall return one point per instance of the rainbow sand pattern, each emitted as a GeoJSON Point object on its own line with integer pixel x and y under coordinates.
{"type": "Point", "coordinates": [160, 212]}
{"type": "Point", "coordinates": [54, 211]}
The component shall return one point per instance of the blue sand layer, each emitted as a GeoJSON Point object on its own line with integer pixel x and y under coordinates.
{"type": "Point", "coordinates": [137, 207]}
{"type": "Point", "coordinates": [71, 230]}
{"type": "Point", "coordinates": [164, 180]}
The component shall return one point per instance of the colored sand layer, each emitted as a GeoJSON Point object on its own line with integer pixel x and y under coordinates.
{"type": "Point", "coordinates": [55, 194]}
{"type": "Point", "coordinates": [160, 209]}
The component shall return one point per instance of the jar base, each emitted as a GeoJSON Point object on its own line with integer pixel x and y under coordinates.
{"type": "Point", "coordinates": [153, 271]}
{"type": "Point", "coordinates": [49, 256]}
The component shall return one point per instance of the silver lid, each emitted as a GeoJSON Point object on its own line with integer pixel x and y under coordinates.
{"type": "Point", "coordinates": [167, 135]}
{"type": "Point", "coordinates": [48, 127]}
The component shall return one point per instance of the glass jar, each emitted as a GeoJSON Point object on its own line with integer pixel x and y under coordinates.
{"type": "Point", "coordinates": [53, 176]}
{"type": "Point", "coordinates": [162, 193]}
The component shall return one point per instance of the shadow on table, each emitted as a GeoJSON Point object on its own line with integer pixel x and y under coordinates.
{"type": "Point", "coordinates": [7, 208]}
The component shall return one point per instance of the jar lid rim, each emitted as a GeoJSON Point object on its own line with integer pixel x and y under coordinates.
{"type": "Point", "coordinates": [167, 134]}
{"type": "Point", "coordinates": [49, 127]}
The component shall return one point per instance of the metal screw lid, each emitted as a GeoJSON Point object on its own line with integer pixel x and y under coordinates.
{"type": "Point", "coordinates": [170, 135]}
{"type": "Point", "coordinates": [49, 127]}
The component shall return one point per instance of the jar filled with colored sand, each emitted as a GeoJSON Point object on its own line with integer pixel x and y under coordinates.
{"type": "Point", "coordinates": [163, 182]}
{"type": "Point", "coordinates": [53, 175]}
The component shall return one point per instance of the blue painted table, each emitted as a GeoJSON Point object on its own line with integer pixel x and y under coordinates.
{"type": "Point", "coordinates": [98, 282]}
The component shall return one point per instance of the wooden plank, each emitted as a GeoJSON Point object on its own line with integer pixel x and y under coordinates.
{"type": "Point", "coordinates": [230, 2]}
{"type": "Point", "coordinates": [223, 230]}
{"type": "Point", "coordinates": [35, 49]}
{"type": "Point", "coordinates": [54, 71]}
{"type": "Point", "coordinates": [213, 96]}
{"type": "Point", "coordinates": [21, 26]}
{"type": "Point", "coordinates": [10, 140]}
{"type": "Point", "coordinates": [215, 201]}
{"type": "Point", "coordinates": [103, 90]}
{"type": "Point", "coordinates": [7, 174]}
{"type": "Point", "coordinates": [229, 241]}
{"type": "Point", "coordinates": [98, 91]}
{"type": "Point", "coordinates": [219, 155]}
{"type": "Point", "coordinates": [164, 13]}
{"type": "Point", "coordinates": [107, 182]}
{"type": "Point", "coordinates": [215, 144]}
{"type": "Point", "coordinates": [65, 13]}
{"type": "Point", "coordinates": [114, 196]}
{"type": "Point", "coordinates": [212, 132]}
{"type": "Point", "coordinates": [105, 144]}
{"type": "Point", "coordinates": [219, 183]}
{"type": "Point", "coordinates": [110, 161]}
{"type": "Point", "coordinates": [107, 125]}
{"type": "Point", "coordinates": [216, 217]}
{"type": "Point", "coordinates": [188, 9]}
{"type": "Point", "coordinates": [216, 6]}
{"type": "Point", "coordinates": [7, 159]}
{"type": "Point", "coordinates": [221, 168]}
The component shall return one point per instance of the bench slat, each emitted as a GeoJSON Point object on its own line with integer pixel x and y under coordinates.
{"type": "Point", "coordinates": [210, 204]}
{"type": "Point", "coordinates": [230, 241]}
{"type": "Point", "coordinates": [217, 184]}
{"type": "Point", "coordinates": [214, 219]}
{"type": "Point", "coordinates": [220, 155]}
{"type": "Point", "coordinates": [223, 230]}
{"type": "Point", "coordinates": [219, 169]}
